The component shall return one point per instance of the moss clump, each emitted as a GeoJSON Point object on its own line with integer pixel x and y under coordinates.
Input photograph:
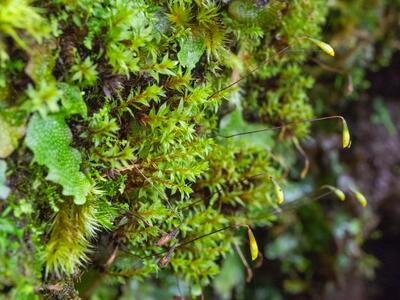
{"type": "Point", "coordinates": [123, 138]}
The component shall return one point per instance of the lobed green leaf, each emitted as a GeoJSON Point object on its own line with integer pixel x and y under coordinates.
{"type": "Point", "coordinates": [49, 138]}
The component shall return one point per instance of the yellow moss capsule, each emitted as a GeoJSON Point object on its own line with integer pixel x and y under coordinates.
{"type": "Point", "coordinates": [346, 140]}
{"type": "Point", "coordinates": [324, 46]}
{"type": "Point", "coordinates": [337, 192]}
{"type": "Point", "coordinates": [253, 244]}
{"type": "Point", "coordinates": [278, 192]}
{"type": "Point", "coordinates": [360, 197]}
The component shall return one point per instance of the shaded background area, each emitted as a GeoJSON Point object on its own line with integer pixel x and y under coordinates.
{"type": "Point", "coordinates": [380, 174]}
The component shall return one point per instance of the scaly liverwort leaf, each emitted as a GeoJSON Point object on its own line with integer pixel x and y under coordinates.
{"type": "Point", "coordinates": [49, 138]}
{"type": "Point", "coordinates": [9, 136]}
{"type": "Point", "coordinates": [191, 51]}
{"type": "Point", "coordinates": [4, 190]}
{"type": "Point", "coordinates": [72, 100]}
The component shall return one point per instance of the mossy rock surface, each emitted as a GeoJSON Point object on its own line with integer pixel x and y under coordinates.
{"type": "Point", "coordinates": [119, 123]}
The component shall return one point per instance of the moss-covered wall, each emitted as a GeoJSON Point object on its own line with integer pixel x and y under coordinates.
{"type": "Point", "coordinates": [114, 125]}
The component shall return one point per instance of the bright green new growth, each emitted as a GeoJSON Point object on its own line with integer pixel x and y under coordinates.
{"type": "Point", "coordinates": [49, 138]}
{"type": "Point", "coordinates": [72, 100]}
{"type": "Point", "coordinates": [72, 229]}
{"type": "Point", "coordinates": [18, 14]}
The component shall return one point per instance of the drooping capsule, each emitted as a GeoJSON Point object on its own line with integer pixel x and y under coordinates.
{"type": "Point", "coordinates": [328, 49]}
{"type": "Point", "coordinates": [338, 193]}
{"type": "Point", "coordinates": [360, 197]}
{"type": "Point", "coordinates": [253, 244]}
{"type": "Point", "coordinates": [278, 192]}
{"type": "Point", "coordinates": [346, 140]}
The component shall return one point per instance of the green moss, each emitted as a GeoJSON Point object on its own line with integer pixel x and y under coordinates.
{"type": "Point", "coordinates": [125, 118]}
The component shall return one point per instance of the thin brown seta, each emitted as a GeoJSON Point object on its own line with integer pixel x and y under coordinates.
{"type": "Point", "coordinates": [165, 256]}
{"type": "Point", "coordinates": [322, 45]}
{"type": "Point", "coordinates": [149, 181]}
{"type": "Point", "coordinates": [112, 257]}
{"type": "Point", "coordinates": [345, 131]}
{"type": "Point", "coordinates": [244, 261]}
{"type": "Point", "coordinates": [284, 208]}
{"type": "Point", "coordinates": [276, 55]}
{"type": "Point", "coordinates": [306, 166]}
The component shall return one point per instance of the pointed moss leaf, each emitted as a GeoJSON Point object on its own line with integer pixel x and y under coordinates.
{"type": "Point", "coordinates": [191, 50]}
{"type": "Point", "coordinates": [323, 46]}
{"type": "Point", "coordinates": [337, 192]}
{"type": "Point", "coordinates": [360, 197]}
{"type": "Point", "coordinates": [72, 100]}
{"type": "Point", "coordinates": [278, 192]}
{"type": "Point", "coordinates": [346, 140]}
{"type": "Point", "coordinates": [49, 139]}
{"type": "Point", "coordinates": [9, 136]}
{"type": "Point", "coordinates": [253, 244]}
{"type": "Point", "coordinates": [4, 189]}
